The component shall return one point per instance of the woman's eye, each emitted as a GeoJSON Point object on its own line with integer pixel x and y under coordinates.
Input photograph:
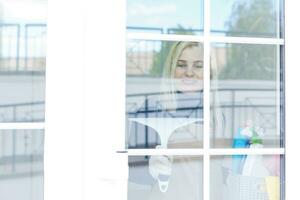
{"type": "Point", "coordinates": [181, 65]}
{"type": "Point", "coordinates": [198, 66]}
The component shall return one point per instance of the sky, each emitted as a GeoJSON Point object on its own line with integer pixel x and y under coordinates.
{"type": "Point", "coordinates": [169, 13]}
{"type": "Point", "coordinates": [23, 11]}
{"type": "Point", "coordinates": [166, 13]}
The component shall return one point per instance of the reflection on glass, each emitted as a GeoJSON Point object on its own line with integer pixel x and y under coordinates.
{"type": "Point", "coordinates": [168, 16]}
{"type": "Point", "coordinates": [22, 60]}
{"type": "Point", "coordinates": [21, 164]}
{"type": "Point", "coordinates": [250, 18]}
{"type": "Point", "coordinates": [245, 95]}
{"type": "Point", "coordinates": [242, 177]}
{"type": "Point", "coordinates": [164, 94]}
{"type": "Point", "coordinates": [22, 97]}
{"type": "Point", "coordinates": [165, 178]}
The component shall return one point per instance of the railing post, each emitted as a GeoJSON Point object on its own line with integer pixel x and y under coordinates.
{"type": "Point", "coordinates": [146, 116]}
{"type": "Point", "coordinates": [214, 117]}
{"type": "Point", "coordinates": [232, 113]}
{"type": "Point", "coordinates": [14, 141]}
{"type": "Point", "coordinates": [135, 131]}
{"type": "Point", "coordinates": [26, 46]}
{"type": "Point", "coordinates": [18, 47]}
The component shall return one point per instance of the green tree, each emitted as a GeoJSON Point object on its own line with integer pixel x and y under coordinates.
{"type": "Point", "coordinates": [160, 56]}
{"type": "Point", "coordinates": [254, 18]}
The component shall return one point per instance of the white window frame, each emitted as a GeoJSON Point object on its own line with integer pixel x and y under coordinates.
{"type": "Point", "coordinates": [90, 168]}
{"type": "Point", "coordinates": [207, 39]}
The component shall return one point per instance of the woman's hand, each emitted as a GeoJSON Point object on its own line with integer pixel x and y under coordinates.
{"type": "Point", "coordinates": [160, 166]}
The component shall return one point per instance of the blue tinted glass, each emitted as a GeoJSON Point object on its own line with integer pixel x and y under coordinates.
{"type": "Point", "coordinates": [164, 93]}
{"type": "Point", "coordinates": [245, 88]}
{"type": "Point", "coordinates": [165, 177]}
{"type": "Point", "coordinates": [22, 60]}
{"type": "Point", "coordinates": [169, 16]}
{"type": "Point", "coordinates": [246, 177]}
{"type": "Point", "coordinates": [250, 18]}
{"type": "Point", "coordinates": [21, 164]}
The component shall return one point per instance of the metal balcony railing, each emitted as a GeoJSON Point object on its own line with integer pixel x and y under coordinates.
{"type": "Point", "coordinates": [21, 153]}
{"type": "Point", "coordinates": [233, 112]}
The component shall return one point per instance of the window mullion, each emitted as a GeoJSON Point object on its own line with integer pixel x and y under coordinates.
{"type": "Point", "coordinates": [206, 102]}
{"type": "Point", "coordinates": [22, 125]}
{"type": "Point", "coordinates": [201, 38]}
{"type": "Point", "coordinates": [219, 151]}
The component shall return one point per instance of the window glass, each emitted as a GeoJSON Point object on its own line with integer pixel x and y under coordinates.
{"type": "Point", "coordinates": [164, 99]}
{"type": "Point", "coordinates": [21, 164]}
{"type": "Point", "coordinates": [22, 60]}
{"type": "Point", "coordinates": [165, 177]}
{"type": "Point", "coordinates": [168, 16]}
{"type": "Point", "coordinates": [249, 18]}
{"type": "Point", "coordinates": [245, 94]}
{"type": "Point", "coordinates": [246, 177]}
{"type": "Point", "coordinates": [164, 88]}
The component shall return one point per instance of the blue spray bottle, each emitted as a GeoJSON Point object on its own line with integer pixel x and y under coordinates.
{"type": "Point", "coordinates": [239, 141]}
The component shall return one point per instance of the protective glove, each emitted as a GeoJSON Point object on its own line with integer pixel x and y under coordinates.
{"type": "Point", "coordinates": [160, 168]}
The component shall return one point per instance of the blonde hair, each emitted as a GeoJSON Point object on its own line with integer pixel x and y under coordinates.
{"type": "Point", "coordinates": [217, 117]}
{"type": "Point", "coordinates": [168, 96]}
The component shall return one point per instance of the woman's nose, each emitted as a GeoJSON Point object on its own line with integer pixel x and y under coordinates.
{"type": "Point", "coordinates": [189, 72]}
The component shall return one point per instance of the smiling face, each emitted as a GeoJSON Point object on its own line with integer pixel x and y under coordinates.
{"type": "Point", "coordinates": [188, 72]}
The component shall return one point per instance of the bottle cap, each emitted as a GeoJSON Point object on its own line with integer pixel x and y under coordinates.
{"type": "Point", "coordinates": [256, 140]}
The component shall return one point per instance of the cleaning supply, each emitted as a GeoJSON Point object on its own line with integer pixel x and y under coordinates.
{"type": "Point", "coordinates": [160, 168]}
{"type": "Point", "coordinates": [239, 141]}
{"type": "Point", "coordinates": [272, 163]}
{"type": "Point", "coordinates": [254, 165]}
{"type": "Point", "coordinates": [273, 187]}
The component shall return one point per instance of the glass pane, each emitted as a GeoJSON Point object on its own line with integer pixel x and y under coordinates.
{"type": "Point", "coordinates": [21, 164]}
{"type": "Point", "coordinates": [245, 91]}
{"type": "Point", "coordinates": [165, 178]}
{"type": "Point", "coordinates": [168, 16]}
{"type": "Point", "coordinates": [250, 18]}
{"type": "Point", "coordinates": [241, 177]}
{"type": "Point", "coordinates": [164, 94]}
{"type": "Point", "coordinates": [22, 60]}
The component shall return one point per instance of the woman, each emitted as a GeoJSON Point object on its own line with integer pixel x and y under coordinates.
{"type": "Point", "coordinates": [179, 177]}
{"type": "Point", "coordinates": [176, 177]}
